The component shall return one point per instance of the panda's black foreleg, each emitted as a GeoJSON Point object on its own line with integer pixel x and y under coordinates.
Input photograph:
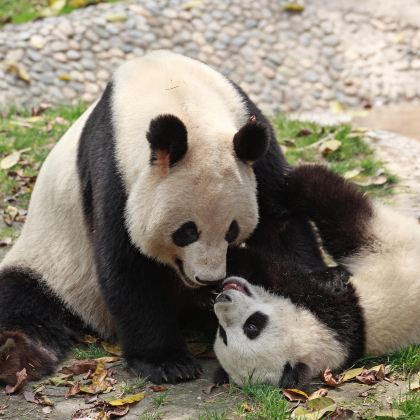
{"type": "Point", "coordinates": [136, 290]}
{"type": "Point", "coordinates": [36, 330]}
{"type": "Point", "coordinates": [340, 211]}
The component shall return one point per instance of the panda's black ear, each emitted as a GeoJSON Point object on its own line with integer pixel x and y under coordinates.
{"type": "Point", "coordinates": [251, 141]}
{"type": "Point", "coordinates": [167, 137]}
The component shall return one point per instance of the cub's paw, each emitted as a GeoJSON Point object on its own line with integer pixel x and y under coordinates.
{"type": "Point", "coordinates": [183, 368]}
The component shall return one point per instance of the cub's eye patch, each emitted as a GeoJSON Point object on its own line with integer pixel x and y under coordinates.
{"type": "Point", "coordinates": [222, 334]}
{"type": "Point", "coordinates": [186, 234]}
{"type": "Point", "coordinates": [232, 232]}
{"type": "Point", "coordinates": [255, 324]}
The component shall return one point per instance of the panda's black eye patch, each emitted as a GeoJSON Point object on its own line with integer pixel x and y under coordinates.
{"type": "Point", "coordinates": [255, 324]}
{"type": "Point", "coordinates": [186, 234]}
{"type": "Point", "coordinates": [232, 232]}
{"type": "Point", "coordinates": [222, 334]}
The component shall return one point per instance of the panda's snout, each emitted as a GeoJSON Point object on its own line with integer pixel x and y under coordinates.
{"type": "Point", "coordinates": [207, 282]}
{"type": "Point", "coordinates": [223, 298]}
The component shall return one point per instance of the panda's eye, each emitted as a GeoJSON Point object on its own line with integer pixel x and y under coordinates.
{"type": "Point", "coordinates": [255, 324]}
{"type": "Point", "coordinates": [232, 232]}
{"type": "Point", "coordinates": [186, 234]}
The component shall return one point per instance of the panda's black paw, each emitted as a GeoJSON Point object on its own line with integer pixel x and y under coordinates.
{"type": "Point", "coordinates": [183, 368]}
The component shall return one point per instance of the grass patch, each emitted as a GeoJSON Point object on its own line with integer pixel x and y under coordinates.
{"type": "Point", "coordinates": [92, 351]}
{"type": "Point", "coordinates": [302, 143]}
{"type": "Point", "coordinates": [21, 11]}
{"type": "Point", "coordinates": [404, 361]}
{"type": "Point", "coordinates": [409, 404]}
{"type": "Point", "coordinates": [160, 399]}
{"type": "Point", "coordinates": [133, 386]}
{"type": "Point", "coordinates": [213, 415]}
{"type": "Point", "coordinates": [35, 135]}
{"type": "Point", "coordinates": [267, 402]}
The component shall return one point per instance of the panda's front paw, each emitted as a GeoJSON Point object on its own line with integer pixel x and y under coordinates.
{"type": "Point", "coordinates": [183, 368]}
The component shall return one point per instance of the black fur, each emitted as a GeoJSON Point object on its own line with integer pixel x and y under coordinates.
{"type": "Point", "coordinates": [220, 376]}
{"type": "Point", "coordinates": [255, 325]}
{"type": "Point", "coordinates": [251, 141]}
{"type": "Point", "coordinates": [222, 334]}
{"type": "Point", "coordinates": [339, 210]}
{"type": "Point", "coordinates": [295, 377]}
{"type": "Point", "coordinates": [186, 234]}
{"type": "Point", "coordinates": [168, 133]}
{"type": "Point", "coordinates": [136, 289]}
{"type": "Point", "coordinates": [279, 231]}
{"type": "Point", "coordinates": [36, 330]}
{"type": "Point", "coordinates": [325, 292]}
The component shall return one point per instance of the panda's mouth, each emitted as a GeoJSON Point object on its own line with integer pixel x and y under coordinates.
{"type": "Point", "coordinates": [185, 278]}
{"type": "Point", "coordinates": [236, 284]}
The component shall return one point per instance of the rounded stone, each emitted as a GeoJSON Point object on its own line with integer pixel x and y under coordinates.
{"type": "Point", "coordinates": [37, 41]}
{"type": "Point", "coordinates": [73, 55]}
{"type": "Point", "coordinates": [68, 92]}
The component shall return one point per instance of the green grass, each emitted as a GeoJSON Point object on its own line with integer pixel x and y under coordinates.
{"type": "Point", "coordinates": [21, 11]}
{"type": "Point", "coordinates": [405, 361]}
{"type": "Point", "coordinates": [36, 135]}
{"type": "Point", "coordinates": [92, 351]}
{"type": "Point", "coordinates": [133, 386]}
{"type": "Point", "coordinates": [298, 142]}
{"type": "Point", "coordinates": [410, 405]}
{"type": "Point", "coordinates": [160, 399]}
{"type": "Point", "coordinates": [213, 415]}
{"type": "Point", "coordinates": [267, 401]}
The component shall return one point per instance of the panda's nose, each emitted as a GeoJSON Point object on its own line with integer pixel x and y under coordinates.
{"type": "Point", "coordinates": [207, 282]}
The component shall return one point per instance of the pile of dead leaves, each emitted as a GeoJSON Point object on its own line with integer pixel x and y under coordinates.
{"type": "Point", "coordinates": [319, 404]}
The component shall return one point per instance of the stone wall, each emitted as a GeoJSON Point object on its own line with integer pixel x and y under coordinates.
{"type": "Point", "coordinates": [287, 61]}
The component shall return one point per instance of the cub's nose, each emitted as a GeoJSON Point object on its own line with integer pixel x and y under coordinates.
{"type": "Point", "coordinates": [205, 282]}
{"type": "Point", "coordinates": [223, 297]}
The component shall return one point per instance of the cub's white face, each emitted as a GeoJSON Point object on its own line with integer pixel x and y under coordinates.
{"type": "Point", "coordinates": [257, 332]}
{"type": "Point", "coordinates": [269, 339]}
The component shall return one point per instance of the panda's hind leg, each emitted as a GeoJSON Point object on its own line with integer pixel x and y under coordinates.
{"type": "Point", "coordinates": [36, 330]}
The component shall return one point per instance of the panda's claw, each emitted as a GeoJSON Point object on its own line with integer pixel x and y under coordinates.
{"type": "Point", "coordinates": [183, 369]}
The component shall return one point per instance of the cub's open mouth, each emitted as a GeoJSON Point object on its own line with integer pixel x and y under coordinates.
{"type": "Point", "coordinates": [234, 284]}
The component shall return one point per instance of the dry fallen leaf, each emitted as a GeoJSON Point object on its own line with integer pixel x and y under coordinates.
{"type": "Point", "coordinates": [10, 160]}
{"type": "Point", "coordinates": [158, 388]}
{"type": "Point", "coordinates": [372, 376]}
{"type": "Point", "coordinates": [322, 392]}
{"type": "Point", "coordinates": [351, 374]}
{"type": "Point", "coordinates": [321, 403]}
{"type": "Point", "coordinates": [21, 379]}
{"type": "Point", "coordinates": [100, 383]}
{"type": "Point", "coordinates": [112, 348]}
{"type": "Point", "coordinates": [329, 147]}
{"type": "Point", "coordinates": [73, 390]}
{"type": "Point", "coordinates": [352, 173]}
{"type": "Point", "coordinates": [294, 7]}
{"type": "Point", "coordinates": [295, 394]}
{"type": "Point", "coordinates": [78, 367]}
{"type": "Point", "coordinates": [246, 407]}
{"type": "Point", "coordinates": [129, 399]}
{"type": "Point", "coordinates": [18, 70]}
{"type": "Point", "coordinates": [328, 377]}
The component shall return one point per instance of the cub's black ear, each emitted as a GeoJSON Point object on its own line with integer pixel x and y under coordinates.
{"type": "Point", "coordinates": [167, 137]}
{"type": "Point", "coordinates": [251, 141]}
{"type": "Point", "coordinates": [297, 376]}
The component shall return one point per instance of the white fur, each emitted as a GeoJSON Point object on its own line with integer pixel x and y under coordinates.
{"type": "Point", "coordinates": [54, 241]}
{"type": "Point", "coordinates": [293, 334]}
{"type": "Point", "coordinates": [386, 276]}
{"type": "Point", "coordinates": [209, 186]}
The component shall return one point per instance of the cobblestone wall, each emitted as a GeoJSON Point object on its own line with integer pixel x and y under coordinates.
{"type": "Point", "coordinates": [285, 61]}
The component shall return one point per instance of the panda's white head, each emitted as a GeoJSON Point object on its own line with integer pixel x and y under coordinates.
{"type": "Point", "coordinates": [269, 339]}
{"type": "Point", "coordinates": [196, 196]}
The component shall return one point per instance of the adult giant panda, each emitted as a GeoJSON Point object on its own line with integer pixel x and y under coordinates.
{"type": "Point", "coordinates": [149, 186]}
{"type": "Point", "coordinates": [297, 324]}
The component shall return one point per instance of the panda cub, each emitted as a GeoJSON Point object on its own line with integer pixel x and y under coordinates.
{"type": "Point", "coordinates": [282, 325]}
